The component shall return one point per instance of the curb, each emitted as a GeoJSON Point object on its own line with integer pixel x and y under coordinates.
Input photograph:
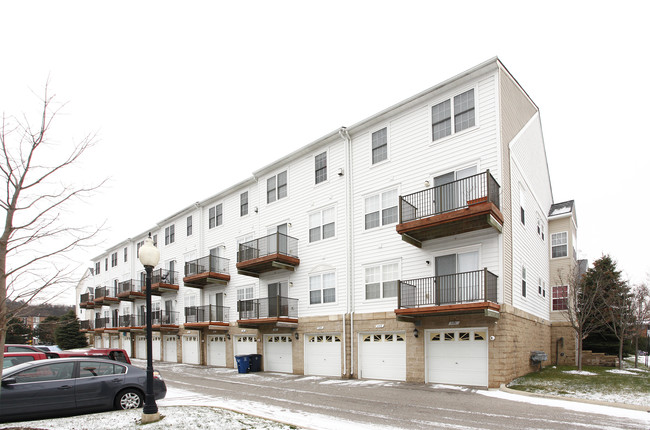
{"type": "Point", "coordinates": [573, 399]}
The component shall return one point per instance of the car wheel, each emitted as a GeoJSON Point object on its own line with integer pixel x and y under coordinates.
{"type": "Point", "coordinates": [128, 399]}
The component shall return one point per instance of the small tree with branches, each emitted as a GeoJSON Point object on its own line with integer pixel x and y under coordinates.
{"type": "Point", "coordinates": [641, 315]}
{"type": "Point", "coordinates": [36, 242]}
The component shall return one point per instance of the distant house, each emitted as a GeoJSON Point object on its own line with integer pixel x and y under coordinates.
{"type": "Point", "coordinates": [418, 244]}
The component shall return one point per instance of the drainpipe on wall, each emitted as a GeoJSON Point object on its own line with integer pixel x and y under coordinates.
{"type": "Point", "coordinates": [349, 204]}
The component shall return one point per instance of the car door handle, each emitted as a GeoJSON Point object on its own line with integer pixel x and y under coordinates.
{"type": "Point", "coordinates": [65, 387]}
{"type": "Point", "coordinates": [115, 380]}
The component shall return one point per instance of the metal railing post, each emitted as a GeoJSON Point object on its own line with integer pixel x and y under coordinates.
{"type": "Point", "coordinates": [485, 284]}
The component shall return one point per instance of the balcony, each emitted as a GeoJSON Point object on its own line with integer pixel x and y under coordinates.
{"type": "Point", "coordinates": [210, 270]}
{"type": "Point", "coordinates": [163, 281]}
{"type": "Point", "coordinates": [161, 320]}
{"type": "Point", "coordinates": [86, 325]}
{"type": "Point", "coordinates": [128, 322]}
{"type": "Point", "coordinates": [210, 316]}
{"type": "Point", "coordinates": [468, 292]}
{"type": "Point", "coordinates": [272, 252]}
{"type": "Point", "coordinates": [102, 323]}
{"type": "Point", "coordinates": [281, 311]}
{"type": "Point", "coordinates": [130, 290]}
{"type": "Point", "coordinates": [105, 296]}
{"type": "Point", "coordinates": [86, 301]}
{"type": "Point", "coordinates": [457, 207]}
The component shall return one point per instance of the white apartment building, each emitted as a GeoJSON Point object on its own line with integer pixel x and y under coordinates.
{"type": "Point", "coordinates": [404, 247]}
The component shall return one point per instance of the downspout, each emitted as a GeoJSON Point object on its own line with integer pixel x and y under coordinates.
{"type": "Point", "coordinates": [349, 238]}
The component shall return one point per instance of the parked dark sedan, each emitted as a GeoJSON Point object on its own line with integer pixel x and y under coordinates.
{"type": "Point", "coordinates": [72, 386]}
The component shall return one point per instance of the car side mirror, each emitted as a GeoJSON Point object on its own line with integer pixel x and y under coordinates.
{"type": "Point", "coordinates": [8, 381]}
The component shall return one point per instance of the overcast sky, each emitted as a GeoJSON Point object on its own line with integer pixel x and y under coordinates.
{"type": "Point", "coordinates": [189, 98]}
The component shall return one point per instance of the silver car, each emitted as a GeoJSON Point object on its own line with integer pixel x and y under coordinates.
{"type": "Point", "coordinates": [72, 386]}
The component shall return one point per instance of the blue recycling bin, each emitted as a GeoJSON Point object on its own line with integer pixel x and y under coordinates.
{"type": "Point", "coordinates": [255, 362]}
{"type": "Point", "coordinates": [243, 363]}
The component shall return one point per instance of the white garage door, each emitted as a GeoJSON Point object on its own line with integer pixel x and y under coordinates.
{"type": "Point", "coordinates": [169, 342]}
{"type": "Point", "coordinates": [243, 345]}
{"type": "Point", "coordinates": [141, 347]}
{"type": "Point", "coordinates": [278, 355]}
{"type": "Point", "coordinates": [458, 356]}
{"type": "Point", "coordinates": [155, 347]}
{"type": "Point", "coordinates": [115, 342]}
{"type": "Point", "coordinates": [191, 351]}
{"type": "Point", "coordinates": [98, 341]}
{"type": "Point", "coordinates": [106, 341]}
{"type": "Point", "coordinates": [217, 350]}
{"type": "Point", "coordinates": [126, 344]}
{"type": "Point", "coordinates": [323, 354]}
{"type": "Point", "coordinates": [383, 356]}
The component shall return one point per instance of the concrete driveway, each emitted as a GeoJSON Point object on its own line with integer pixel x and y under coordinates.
{"type": "Point", "coordinates": [321, 402]}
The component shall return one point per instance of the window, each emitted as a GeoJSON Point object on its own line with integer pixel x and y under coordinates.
{"type": "Point", "coordinates": [98, 266]}
{"type": "Point", "coordinates": [321, 225]}
{"type": "Point", "coordinates": [88, 369]}
{"type": "Point", "coordinates": [539, 286]}
{"type": "Point", "coordinates": [559, 245]}
{"type": "Point", "coordinates": [169, 234]}
{"type": "Point", "coordinates": [322, 288]}
{"type": "Point", "coordinates": [106, 264]}
{"type": "Point", "coordinates": [47, 372]}
{"type": "Point", "coordinates": [215, 216]}
{"type": "Point", "coordinates": [321, 167]}
{"type": "Point", "coordinates": [189, 226]}
{"type": "Point", "coordinates": [560, 298]}
{"type": "Point", "coordinates": [244, 294]}
{"type": "Point", "coordinates": [243, 203]}
{"type": "Point", "coordinates": [463, 114]}
{"type": "Point", "coordinates": [126, 252]}
{"type": "Point", "coordinates": [381, 281]}
{"type": "Point", "coordinates": [137, 248]}
{"type": "Point", "coordinates": [540, 227]}
{"type": "Point", "coordinates": [114, 259]}
{"type": "Point", "coordinates": [523, 282]}
{"type": "Point", "coordinates": [573, 237]}
{"type": "Point", "coordinates": [381, 209]}
{"type": "Point", "coordinates": [155, 240]}
{"type": "Point", "coordinates": [379, 145]}
{"type": "Point", "coordinates": [276, 187]}
{"type": "Point", "coordinates": [522, 204]}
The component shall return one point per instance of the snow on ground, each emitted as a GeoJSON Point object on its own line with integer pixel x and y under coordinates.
{"type": "Point", "coordinates": [573, 406]}
{"type": "Point", "coordinates": [620, 372]}
{"type": "Point", "coordinates": [580, 372]}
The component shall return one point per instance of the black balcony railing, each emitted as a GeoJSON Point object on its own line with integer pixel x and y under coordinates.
{"type": "Point", "coordinates": [131, 321]}
{"type": "Point", "coordinates": [269, 307]}
{"type": "Point", "coordinates": [85, 298]}
{"type": "Point", "coordinates": [476, 286]}
{"type": "Point", "coordinates": [163, 276]}
{"type": "Point", "coordinates": [449, 197]}
{"type": "Point", "coordinates": [276, 243]}
{"type": "Point", "coordinates": [87, 325]}
{"type": "Point", "coordinates": [129, 286]}
{"type": "Point", "coordinates": [164, 318]}
{"type": "Point", "coordinates": [211, 263]}
{"type": "Point", "coordinates": [208, 313]}
{"type": "Point", "coordinates": [103, 322]}
{"type": "Point", "coordinates": [105, 292]}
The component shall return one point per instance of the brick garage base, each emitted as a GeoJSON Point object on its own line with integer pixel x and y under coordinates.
{"type": "Point", "coordinates": [566, 354]}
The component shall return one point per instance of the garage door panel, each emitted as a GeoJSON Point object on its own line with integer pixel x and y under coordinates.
{"type": "Point", "coordinates": [191, 351]}
{"type": "Point", "coordinates": [246, 344]}
{"type": "Point", "coordinates": [169, 344]}
{"type": "Point", "coordinates": [383, 356]}
{"type": "Point", "coordinates": [278, 353]}
{"type": "Point", "coordinates": [457, 356]}
{"type": "Point", "coordinates": [323, 354]}
{"type": "Point", "coordinates": [217, 350]}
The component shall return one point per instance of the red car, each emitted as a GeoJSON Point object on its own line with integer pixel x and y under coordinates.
{"type": "Point", "coordinates": [14, 358]}
{"type": "Point", "coordinates": [12, 347]}
{"type": "Point", "coordinates": [107, 353]}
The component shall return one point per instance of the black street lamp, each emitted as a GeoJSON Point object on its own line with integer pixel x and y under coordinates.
{"type": "Point", "coordinates": [149, 257]}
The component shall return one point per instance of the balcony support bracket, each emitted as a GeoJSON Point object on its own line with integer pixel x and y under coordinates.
{"type": "Point", "coordinates": [490, 313]}
{"type": "Point", "coordinates": [279, 265]}
{"type": "Point", "coordinates": [411, 240]}
{"type": "Point", "coordinates": [494, 223]}
{"type": "Point", "coordinates": [247, 273]}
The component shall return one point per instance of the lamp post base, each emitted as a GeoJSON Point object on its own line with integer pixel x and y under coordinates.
{"type": "Point", "coordinates": [150, 418]}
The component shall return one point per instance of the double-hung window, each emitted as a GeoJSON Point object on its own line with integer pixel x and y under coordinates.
{"type": "Point", "coordinates": [461, 110]}
{"type": "Point", "coordinates": [381, 281]}
{"type": "Point", "coordinates": [114, 259]}
{"type": "Point", "coordinates": [321, 225]}
{"type": "Point", "coordinates": [243, 203]}
{"type": "Point", "coordinates": [169, 234]}
{"type": "Point", "coordinates": [98, 266]}
{"type": "Point", "coordinates": [215, 216]}
{"type": "Point", "coordinates": [126, 257]}
{"type": "Point", "coordinates": [560, 298]}
{"type": "Point", "coordinates": [137, 248]}
{"type": "Point", "coordinates": [189, 226]}
{"type": "Point", "coordinates": [379, 145]}
{"type": "Point", "coordinates": [276, 187]}
{"type": "Point", "coordinates": [381, 209]}
{"type": "Point", "coordinates": [322, 288]}
{"type": "Point", "coordinates": [106, 264]}
{"type": "Point", "coordinates": [559, 244]}
{"type": "Point", "coordinates": [320, 167]}
{"type": "Point", "coordinates": [523, 281]}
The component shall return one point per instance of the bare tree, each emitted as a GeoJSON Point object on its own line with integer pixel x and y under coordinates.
{"type": "Point", "coordinates": [641, 315]}
{"type": "Point", "coordinates": [582, 307]}
{"type": "Point", "coordinates": [36, 242]}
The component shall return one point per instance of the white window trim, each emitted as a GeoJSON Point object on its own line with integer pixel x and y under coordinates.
{"type": "Point", "coordinates": [568, 254]}
{"type": "Point", "coordinates": [477, 123]}
{"type": "Point", "coordinates": [380, 264]}
{"type": "Point", "coordinates": [265, 185]}
{"type": "Point", "coordinates": [321, 273]}
{"type": "Point", "coordinates": [328, 169]}
{"type": "Point", "coordinates": [320, 210]}
{"type": "Point", "coordinates": [456, 168]}
{"type": "Point", "coordinates": [223, 215]}
{"type": "Point", "coordinates": [165, 234]}
{"type": "Point", "coordinates": [248, 202]}
{"type": "Point", "coordinates": [458, 250]}
{"type": "Point", "coordinates": [388, 139]}
{"type": "Point", "coordinates": [396, 187]}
